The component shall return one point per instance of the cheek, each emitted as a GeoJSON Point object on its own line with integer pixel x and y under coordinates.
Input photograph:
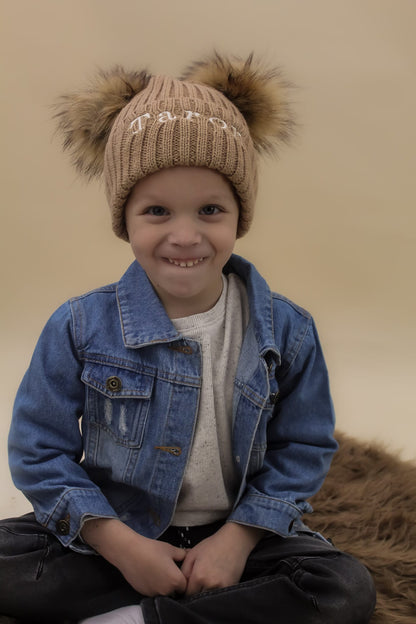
{"type": "Point", "coordinates": [226, 240]}
{"type": "Point", "coordinates": [142, 240]}
{"type": "Point", "coordinates": [139, 247]}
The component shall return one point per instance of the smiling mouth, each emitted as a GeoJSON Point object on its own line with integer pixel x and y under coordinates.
{"type": "Point", "coordinates": [186, 263]}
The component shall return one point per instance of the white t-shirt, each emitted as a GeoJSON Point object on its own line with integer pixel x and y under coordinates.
{"type": "Point", "coordinates": [210, 482]}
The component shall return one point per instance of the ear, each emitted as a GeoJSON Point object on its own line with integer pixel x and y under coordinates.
{"type": "Point", "coordinates": [260, 94]}
{"type": "Point", "coordinates": [85, 118]}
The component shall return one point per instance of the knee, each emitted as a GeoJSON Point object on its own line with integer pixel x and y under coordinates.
{"type": "Point", "coordinates": [355, 594]}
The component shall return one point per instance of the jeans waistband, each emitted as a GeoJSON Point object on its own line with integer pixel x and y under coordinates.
{"type": "Point", "coordinates": [189, 536]}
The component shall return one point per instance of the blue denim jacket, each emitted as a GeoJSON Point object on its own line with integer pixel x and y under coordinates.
{"type": "Point", "coordinates": [104, 417]}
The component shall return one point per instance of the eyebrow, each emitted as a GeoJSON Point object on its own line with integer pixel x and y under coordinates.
{"type": "Point", "coordinates": [153, 197]}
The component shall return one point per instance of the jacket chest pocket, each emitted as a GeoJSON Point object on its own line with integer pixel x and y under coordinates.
{"type": "Point", "coordinates": [117, 402]}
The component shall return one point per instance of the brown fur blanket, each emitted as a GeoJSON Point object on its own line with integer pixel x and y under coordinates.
{"type": "Point", "coordinates": [367, 506]}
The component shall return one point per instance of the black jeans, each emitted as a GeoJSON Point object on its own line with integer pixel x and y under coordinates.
{"type": "Point", "coordinates": [296, 580]}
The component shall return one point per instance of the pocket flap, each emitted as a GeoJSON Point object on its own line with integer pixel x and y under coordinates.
{"type": "Point", "coordinates": [116, 382]}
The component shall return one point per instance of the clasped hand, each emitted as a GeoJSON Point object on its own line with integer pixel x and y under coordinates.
{"type": "Point", "coordinates": [156, 568]}
{"type": "Point", "coordinates": [217, 561]}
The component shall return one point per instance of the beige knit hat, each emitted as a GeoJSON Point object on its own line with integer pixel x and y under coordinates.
{"type": "Point", "coordinates": [219, 114]}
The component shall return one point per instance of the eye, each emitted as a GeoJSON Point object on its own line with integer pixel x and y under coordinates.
{"type": "Point", "coordinates": [156, 211]}
{"type": "Point", "coordinates": [210, 209]}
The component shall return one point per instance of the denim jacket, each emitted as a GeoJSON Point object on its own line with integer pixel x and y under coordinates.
{"type": "Point", "coordinates": [104, 418]}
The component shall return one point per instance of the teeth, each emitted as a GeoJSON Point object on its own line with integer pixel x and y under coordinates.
{"type": "Point", "coordinates": [185, 263]}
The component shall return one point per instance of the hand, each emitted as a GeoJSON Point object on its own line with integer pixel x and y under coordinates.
{"type": "Point", "coordinates": [219, 560]}
{"type": "Point", "coordinates": [148, 565]}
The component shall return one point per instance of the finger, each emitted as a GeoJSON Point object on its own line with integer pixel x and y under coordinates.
{"type": "Point", "coordinates": [178, 554]}
{"type": "Point", "coordinates": [195, 584]}
{"type": "Point", "coordinates": [193, 588]}
{"type": "Point", "coordinates": [187, 565]}
{"type": "Point", "coordinates": [181, 585]}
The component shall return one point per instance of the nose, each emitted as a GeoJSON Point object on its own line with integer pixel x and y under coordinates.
{"type": "Point", "coordinates": [184, 232]}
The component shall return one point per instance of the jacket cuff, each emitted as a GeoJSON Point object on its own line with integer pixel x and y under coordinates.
{"type": "Point", "coordinates": [272, 514]}
{"type": "Point", "coordinates": [73, 508]}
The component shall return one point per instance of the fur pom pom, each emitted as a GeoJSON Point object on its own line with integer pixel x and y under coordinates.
{"type": "Point", "coordinates": [85, 118]}
{"type": "Point", "coordinates": [260, 94]}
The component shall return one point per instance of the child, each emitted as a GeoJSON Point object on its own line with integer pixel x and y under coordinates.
{"type": "Point", "coordinates": [171, 427]}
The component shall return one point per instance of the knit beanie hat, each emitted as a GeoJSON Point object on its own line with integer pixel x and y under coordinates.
{"type": "Point", "coordinates": [220, 114]}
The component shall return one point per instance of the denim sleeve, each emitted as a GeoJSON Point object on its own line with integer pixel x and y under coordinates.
{"type": "Point", "coordinates": [300, 442]}
{"type": "Point", "coordinates": [45, 443]}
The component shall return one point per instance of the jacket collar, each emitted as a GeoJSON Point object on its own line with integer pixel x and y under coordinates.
{"type": "Point", "coordinates": [138, 300]}
{"type": "Point", "coordinates": [261, 305]}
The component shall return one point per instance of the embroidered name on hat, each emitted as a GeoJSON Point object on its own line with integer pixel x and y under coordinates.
{"type": "Point", "coordinates": [139, 123]}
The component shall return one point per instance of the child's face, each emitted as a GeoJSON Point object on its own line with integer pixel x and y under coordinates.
{"type": "Point", "coordinates": [182, 225]}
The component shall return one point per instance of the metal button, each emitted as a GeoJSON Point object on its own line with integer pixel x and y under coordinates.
{"type": "Point", "coordinates": [175, 450]}
{"type": "Point", "coordinates": [63, 526]}
{"type": "Point", "coordinates": [187, 350]}
{"type": "Point", "coordinates": [114, 384]}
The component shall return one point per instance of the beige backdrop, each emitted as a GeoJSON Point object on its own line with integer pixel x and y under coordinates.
{"type": "Point", "coordinates": [335, 223]}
